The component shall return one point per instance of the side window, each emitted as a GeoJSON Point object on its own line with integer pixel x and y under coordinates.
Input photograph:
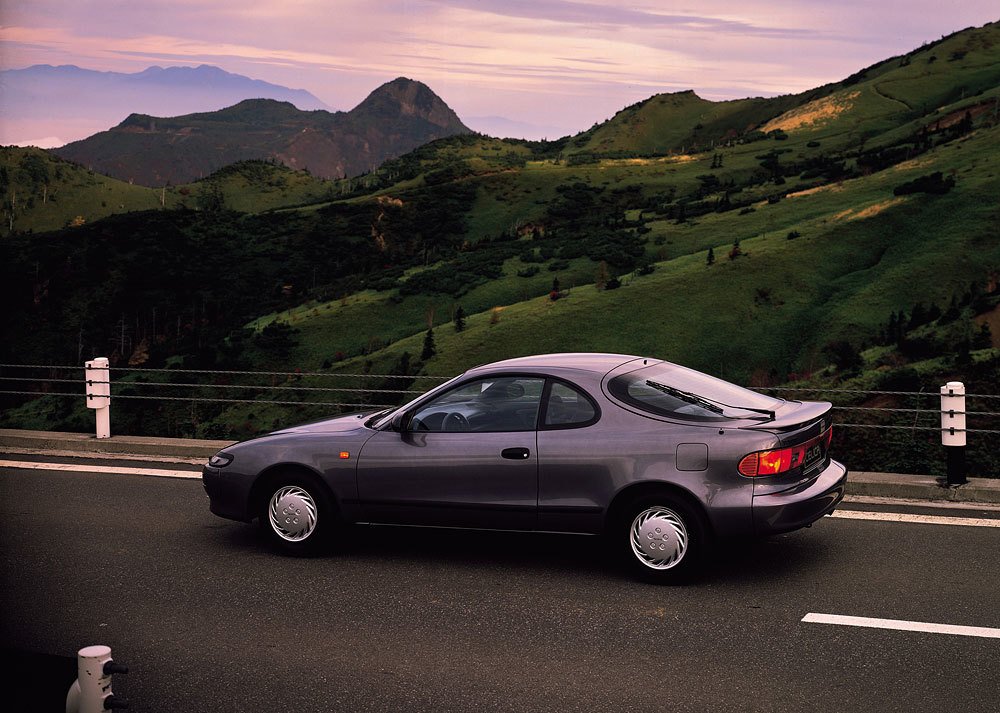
{"type": "Point", "coordinates": [568, 407]}
{"type": "Point", "coordinates": [506, 403]}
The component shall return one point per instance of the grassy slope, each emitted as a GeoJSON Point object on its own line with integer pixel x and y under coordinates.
{"type": "Point", "coordinates": [840, 279]}
{"type": "Point", "coordinates": [257, 186]}
{"type": "Point", "coordinates": [862, 254]}
{"type": "Point", "coordinates": [49, 192]}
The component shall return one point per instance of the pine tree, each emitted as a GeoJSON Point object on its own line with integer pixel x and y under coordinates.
{"type": "Point", "coordinates": [710, 260]}
{"type": "Point", "coordinates": [429, 349]}
{"type": "Point", "coordinates": [459, 319]}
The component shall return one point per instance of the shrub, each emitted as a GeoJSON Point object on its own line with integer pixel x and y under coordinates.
{"type": "Point", "coordinates": [934, 183]}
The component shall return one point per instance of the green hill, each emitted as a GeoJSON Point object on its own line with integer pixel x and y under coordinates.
{"type": "Point", "coordinates": [43, 192]}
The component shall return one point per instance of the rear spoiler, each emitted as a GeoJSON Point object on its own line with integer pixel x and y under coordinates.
{"type": "Point", "coordinates": [795, 414]}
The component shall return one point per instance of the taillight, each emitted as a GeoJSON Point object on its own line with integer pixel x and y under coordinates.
{"type": "Point", "coordinates": [782, 460]}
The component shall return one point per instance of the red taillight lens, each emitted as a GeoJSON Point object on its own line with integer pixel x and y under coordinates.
{"type": "Point", "coordinates": [748, 465]}
{"type": "Point", "coordinates": [766, 462]}
{"type": "Point", "coordinates": [783, 459]}
{"type": "Point", "coordinates": [774, 462]}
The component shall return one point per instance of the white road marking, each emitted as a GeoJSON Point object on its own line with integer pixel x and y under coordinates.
{"type": "Point", "coordinates": [922, 519]}
{"type": "Point", "coordinates": [118, 470]}
{"type": "Point", "coordinates": [901, 625]}
{"type": "Point", "coordinates": [914, 502]}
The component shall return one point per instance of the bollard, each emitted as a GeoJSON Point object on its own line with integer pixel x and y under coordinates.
{"type": "Point", "coordinates": [953, 430]}
{"type": "Point", "coordinates": [98, 379]}
{"type": "Point", "coordinates": [91, 691]}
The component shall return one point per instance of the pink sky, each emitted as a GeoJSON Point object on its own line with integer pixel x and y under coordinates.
{"type": "Point", "coordinates": [559, 63]}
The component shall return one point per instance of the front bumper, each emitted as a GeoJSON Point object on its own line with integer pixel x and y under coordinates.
{"type": "Point", "coordinates": [228, 493]}
{"type": "Point", "coordinates": [800, 506]}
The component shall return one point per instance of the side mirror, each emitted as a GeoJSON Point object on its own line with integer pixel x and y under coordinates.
{"type": "Point", "coordinates": [400, 422]}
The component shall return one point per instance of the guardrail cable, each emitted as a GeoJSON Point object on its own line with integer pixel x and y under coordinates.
{"type": "Point", "coordinates": [252, 401]}
{"type": "Point", "coordinates": [278, 373]}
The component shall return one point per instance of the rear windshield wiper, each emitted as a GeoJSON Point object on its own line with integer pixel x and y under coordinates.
{"type": "Point", "coordinates": [706, 403]}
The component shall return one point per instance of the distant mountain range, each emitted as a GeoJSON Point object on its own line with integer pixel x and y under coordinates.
{"type": "Point", "coordinates": [504, 128]}
{"type": "Point", "coordinates": [49, 106]}
{"type": "Point", "coordinates": [153, 151]}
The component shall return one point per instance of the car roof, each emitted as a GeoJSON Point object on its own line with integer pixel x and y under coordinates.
{"type": "Point", "coordinates": [586, 361]}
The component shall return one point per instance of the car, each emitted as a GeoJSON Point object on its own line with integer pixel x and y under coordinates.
{"type": "Point", "coordinates": [660, 459]}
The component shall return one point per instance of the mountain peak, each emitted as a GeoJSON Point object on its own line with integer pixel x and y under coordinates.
{"type": "Point", "coordinates": [396, 118]}
{"type": "Point", "coordinates": [408, 97]}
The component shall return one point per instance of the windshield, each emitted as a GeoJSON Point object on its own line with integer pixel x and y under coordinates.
{"type": "Point", "coordinates": [677, 392]}
{"type": "Point", "coordinates": [382, 418]}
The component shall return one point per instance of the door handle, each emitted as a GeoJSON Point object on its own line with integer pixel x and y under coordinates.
{"type": "Point", "coordinates": [515, 453]}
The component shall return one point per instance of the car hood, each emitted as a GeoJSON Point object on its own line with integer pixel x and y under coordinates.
{"type": "Point", "coordinates": [340, 424]}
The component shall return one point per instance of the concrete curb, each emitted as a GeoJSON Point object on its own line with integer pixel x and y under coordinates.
{"type": "Point", "coordinates": [923, 487]}
{"type": "Point", "coordinates": [884, 485]}
{"type": "Point", "coordinates": [86, 444]}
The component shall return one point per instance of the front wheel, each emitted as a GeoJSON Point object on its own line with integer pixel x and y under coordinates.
{"type": "Point", "coordinates": [298, 516]}
{"type": "Point", "coordinates": [661, 539]}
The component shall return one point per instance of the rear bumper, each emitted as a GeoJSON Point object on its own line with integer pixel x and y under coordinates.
{"type": "Point", "coordinates": [800, 506]}
{"type": "Point", "coordinates": [228, 496]}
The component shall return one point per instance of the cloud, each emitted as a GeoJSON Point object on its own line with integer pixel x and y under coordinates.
{"type": "Point", "coordinates": [610, 15]}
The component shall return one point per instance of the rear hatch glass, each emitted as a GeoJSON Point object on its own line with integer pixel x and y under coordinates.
{"type": "Point", "coordinates": [677, 392]}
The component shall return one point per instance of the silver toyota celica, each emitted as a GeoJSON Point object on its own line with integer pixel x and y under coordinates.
{"type": "Point", "coordinates": [660, 459]}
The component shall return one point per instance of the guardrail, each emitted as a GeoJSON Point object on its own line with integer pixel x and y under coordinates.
{"type": "Point", "coordinates": [364, 391]}
{"type": "Point", "coordinates": [101, 385]}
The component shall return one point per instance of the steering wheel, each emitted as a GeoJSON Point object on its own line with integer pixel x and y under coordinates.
{"type": "Point", "coordinates": [455, 421]}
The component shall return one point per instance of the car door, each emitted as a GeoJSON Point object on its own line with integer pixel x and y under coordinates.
{"type": "Point", "coordinates": [464, 459]}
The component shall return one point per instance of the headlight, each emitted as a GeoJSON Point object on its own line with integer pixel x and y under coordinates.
{"type": "Point", "coordinates": [220, 460]}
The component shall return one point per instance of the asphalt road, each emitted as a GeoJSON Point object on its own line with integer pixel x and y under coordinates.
{"type": "Point", "coordinates": [209, 619]}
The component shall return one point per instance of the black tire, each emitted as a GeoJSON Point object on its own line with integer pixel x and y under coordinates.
{"type": "Point", "coordinates": [660, 539]}
{"type": "Point", "coordinates": [298, 516]}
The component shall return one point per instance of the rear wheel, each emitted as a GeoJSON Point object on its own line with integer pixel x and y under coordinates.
{"type": "Point", "coordinates": [297, 515]}
{"type": "Point", "coordinates": [661, 539]}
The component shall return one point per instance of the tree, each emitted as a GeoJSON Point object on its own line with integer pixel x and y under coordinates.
{"type": "Point", "coordinates": [459, 319]}
{"type": "Point", "coordinates": [844, 355]}
{"type": "Point", "coordinates": [984, 338]}
{"type": "Point", "coordinates": [736, 250]}
{"type": "Point", "coordinates": [601, 279]}
{"type": "Point", "coordinates": [710, 260]}
{"type": "Point", "coordinates": [276, 340]}
{"type": "Point", "coordinates": [429, 349]}
{"type": "Point", "coordinates": [555, 284]}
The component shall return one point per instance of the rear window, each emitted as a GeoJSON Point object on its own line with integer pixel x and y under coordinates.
{"type": "Point", "coordinates": [678, 392]}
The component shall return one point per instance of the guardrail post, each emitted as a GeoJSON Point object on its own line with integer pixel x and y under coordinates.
{"type": "Point", "coordinates": [98, 379]}
{"type": "Point", "coordinates": [953, 430]}
{"type": "Point", "coordinates": [91, 691]}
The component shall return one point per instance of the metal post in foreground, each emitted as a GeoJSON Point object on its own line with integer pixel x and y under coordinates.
{"type": "Point", "coordinates": [91, 691]}
{"type": "Point", "coordinates": [953, 430]}
{"type": "Point", "coordinates": [98, 379]}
